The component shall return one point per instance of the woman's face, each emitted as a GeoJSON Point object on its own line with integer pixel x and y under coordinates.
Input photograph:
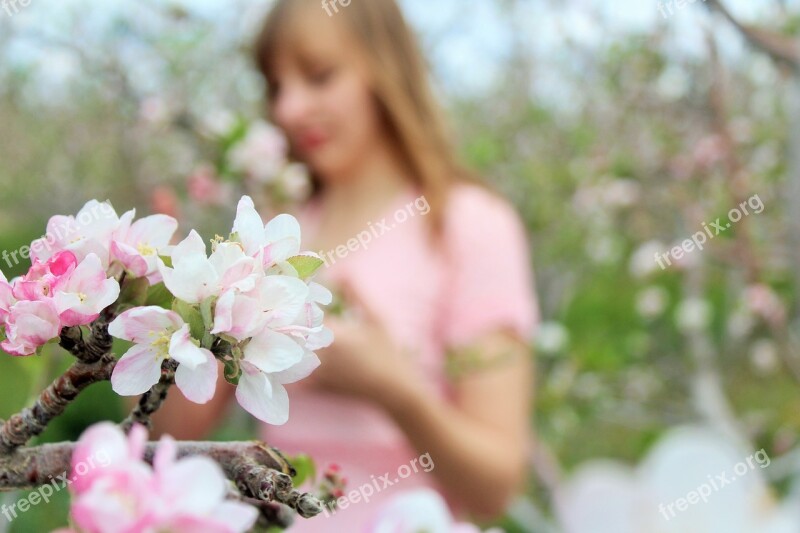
{"type": "Point", "coordinates": [322, 100]}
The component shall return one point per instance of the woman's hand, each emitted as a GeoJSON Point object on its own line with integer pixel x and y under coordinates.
{"type": "Point", "coordinates": [363, 361]}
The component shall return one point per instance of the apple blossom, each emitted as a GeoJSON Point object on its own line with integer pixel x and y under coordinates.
{"type": "Point", "coordinates": [194, 277]}
{"type": "Point", "coordinates": [261, 391]}
{"type": "Point", "coordinates": [44, 278]}
{"type": "Point", "coordinates": [29, 325]}
{"type": "Point", "coordinates": [308, 327]}
{"type": "Point", "coordinates": [87, 232]}
{"type": "Point", "coordinates": [158, 335]}
{"type": "Point", "coordinates": [85, 293]}
{"type": "Point", "coordinates": [126, 495]}
{"type": "Point", "coordinates": [136, 244]}
{"type": "Point", "coordinates": [274, 242]}
{"type": "Point", "coordinates": [418, 510]}
{"type": "Point", "coordinates": [605, 496]}
{"type": "Point", "coordinates": [261, 154]}
{"type": "Point", "coordinates": [275, 301]}
{"type": "Point", "coordinates": [6, 297]}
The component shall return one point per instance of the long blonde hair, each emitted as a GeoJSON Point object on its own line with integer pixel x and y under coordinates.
{"type": "Point", "coordinates": [401, 88]}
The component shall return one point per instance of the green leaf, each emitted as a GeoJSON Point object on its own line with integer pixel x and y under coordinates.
{"type": "Point", "coordinates": [191, 315]}
{"type": "Point", "coordinates": [305, 468]}
{"type": "Point", "coordinates": [160, 296]}
{"type": "Point", "coordinates": [305, 265]}
{"type": "Point", "coordinates": [207, 311]}
{"type": "Point", "coordinates": [167, 260]}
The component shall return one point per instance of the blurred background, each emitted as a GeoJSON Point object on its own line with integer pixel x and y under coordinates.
{"type": "Point", "coordinates": [618, 129]}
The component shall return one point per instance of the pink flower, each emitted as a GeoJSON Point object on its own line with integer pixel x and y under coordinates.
{"type": "Point", "coordinates": [30, 325]}
{"type": "Point", "coordinates": [159, 334]}
{"type": "Point", "coordinates": [85, 293]}
{"type": "Point", "coordinates": [125, 495]}
{"type": "Point", "coordinates": [87, 232]}
{"type": "Point", "coordinates": [763, 301]}
{"type": "Point", "coordinates": [275, 301]}
{"type": "Point", "coordinates": [6, 297]}
{"type": "Point", "coordinates": [204, 186]}
{"type": "Point", "coordinates": [163, 200]}
{"type": "Point", "coordinates": [136, 245]}
{"type": "Point", "coordinates": [262, 153]}
{"type": "Point", "coordinates": [43, 279]}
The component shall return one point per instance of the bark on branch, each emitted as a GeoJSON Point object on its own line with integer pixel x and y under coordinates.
{"type": "Point", "coordinates": [53, 401]}
{"type": "Point", "coordinates": [152, 400]}
{"type": "Point", "coordinates": [259, 472]}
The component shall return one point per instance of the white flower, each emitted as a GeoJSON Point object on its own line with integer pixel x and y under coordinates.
{"type": "Point", "coordinates": [551, 337]}
{"type": "Point", "coordinates": [195, 277]}
{"type": "Point", "coordinates": [273, 243]}
{"type": "Point", "coordinates": [158, 335]}
{"type": "Point", "coordinates": [604, 496]}
{"type": "Point", "coordinates": [652, 301]}
{"type": "Point", "coordinates": [693, 314]}
{"type": "Point", "coordinates": [643, 261]}
{"type": "Point", "coordinates": [261, 389]}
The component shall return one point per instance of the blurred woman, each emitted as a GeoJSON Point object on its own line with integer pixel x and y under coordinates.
{"type": "Point", "coordinates": [429, 380]}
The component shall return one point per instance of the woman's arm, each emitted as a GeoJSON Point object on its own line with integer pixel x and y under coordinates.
{"type": "Point", "coordinates": [479, 444]}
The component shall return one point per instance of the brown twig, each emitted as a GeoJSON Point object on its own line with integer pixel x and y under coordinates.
{"type": "Point", "coordinates": [53, 401]}
{"type": "Point", "coordinates": [94, 364]}
{"type": "Point", "coordinates": [152, 400]}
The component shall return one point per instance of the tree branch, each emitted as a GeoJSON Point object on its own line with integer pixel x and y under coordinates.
{"type": "Point", "coordinates": [783, 49]}
{"type": "Point", "coordinates": [152, 400]}
{"type": "Point", "coordinates": [53, 401]}
{"type": "Point", "coordinates": [259, 471]}
{"type": "Point", "coordinates": [95, 362]}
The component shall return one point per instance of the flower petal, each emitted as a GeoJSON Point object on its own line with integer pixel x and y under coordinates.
{"type": "Point", "coordinates": [301, 370]}
{"type": "Point", "coordinates": [198, 384]}
{"type": "Point", "coordinates": [140, 324]}
{"type": "Point", "coordinates": [253, 394]}
{"type": "Point", "coordinates": [137, 371]}
{"type": "Point", "coordinates": [183, 350]}
{"type": "Point", "coordinates": [270, 351]}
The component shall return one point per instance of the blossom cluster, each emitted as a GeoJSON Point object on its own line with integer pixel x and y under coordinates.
{"type": "Point", "coordinates": [126, 494]}
{"type": "Point", "coordinates": [253, 294]}
{"type": "Point", "coordinates": [70, 281]}
{"type": "Point", "coordinates": [254, 154]}
{"type": "Point", "coordinates": [251, 303]}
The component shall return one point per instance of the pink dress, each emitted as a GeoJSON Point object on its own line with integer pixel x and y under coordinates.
{"type": "Point", "coordinates": [476, 281]}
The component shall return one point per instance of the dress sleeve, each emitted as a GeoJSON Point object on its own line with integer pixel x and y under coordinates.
{"type": "Point", "coordinates": [490, 279]}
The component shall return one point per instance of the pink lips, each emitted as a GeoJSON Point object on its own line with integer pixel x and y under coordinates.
{"type": "Point", "coordinates": [312, 141]}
